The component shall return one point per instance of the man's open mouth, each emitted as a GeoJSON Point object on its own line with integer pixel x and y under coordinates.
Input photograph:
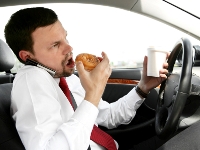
{"type": "Point", "coordinates": [70, 63]}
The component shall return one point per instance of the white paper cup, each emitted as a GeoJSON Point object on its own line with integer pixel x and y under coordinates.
{"type": "Point", "coordinates": [156, 58]}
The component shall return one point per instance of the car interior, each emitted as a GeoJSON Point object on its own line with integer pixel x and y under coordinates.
{"type": "Point", "coordinates": [9, 138]}
{"type": "Point", "coordinates": [169, 108]}
{"type": "Point", "coordinates": [140, 125]}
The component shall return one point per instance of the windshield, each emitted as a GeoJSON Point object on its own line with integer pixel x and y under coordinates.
{"type": "Point", "coordinates": [123, 35]}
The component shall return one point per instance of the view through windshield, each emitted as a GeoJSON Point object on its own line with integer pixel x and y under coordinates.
{"type": "Point", "coordinates": [123, 35]}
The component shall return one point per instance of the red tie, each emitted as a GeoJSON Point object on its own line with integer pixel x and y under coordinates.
{"type": "Point", "coordinates": [102, 138]}
{"type": "Point", "coordinates": [63, 85]}
{"type": "Point", "coordinates": [97, 135]}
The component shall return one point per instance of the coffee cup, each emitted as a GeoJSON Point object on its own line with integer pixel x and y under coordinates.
{"type": "Point", "coordinates": [156, 56]}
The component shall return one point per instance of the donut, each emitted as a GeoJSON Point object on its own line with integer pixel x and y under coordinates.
{"type": "Point", "coordinates": [89, 61]}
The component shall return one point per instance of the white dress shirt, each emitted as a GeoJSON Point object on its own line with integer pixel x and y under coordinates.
{"type": "Point", "coordinates": [45, 120]}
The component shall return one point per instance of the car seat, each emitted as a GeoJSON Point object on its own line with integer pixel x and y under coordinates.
{"type": "Point", "coordinates": [9, 138]}
{"type": "Point", "coordinates": [7, 62]}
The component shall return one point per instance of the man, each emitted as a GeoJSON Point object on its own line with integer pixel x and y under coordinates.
{"type": "Point", "coordinates": [44, 117]}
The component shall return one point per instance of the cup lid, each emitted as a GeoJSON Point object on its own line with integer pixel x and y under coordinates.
{"type": "Point", "coordinates": [157, 49]}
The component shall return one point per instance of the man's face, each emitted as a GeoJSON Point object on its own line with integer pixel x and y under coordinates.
{"type": "Point", "coordinates": [52, 49]}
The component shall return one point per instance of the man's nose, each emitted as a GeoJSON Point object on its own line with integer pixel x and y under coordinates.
{"type": "Point", "coordinates": [68, 49]}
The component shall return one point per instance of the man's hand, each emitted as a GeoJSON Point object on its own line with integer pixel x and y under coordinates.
{"type": "Point", "coordinates": [147, 82]}
{"type": "Point", "coordinates": [94, 82]}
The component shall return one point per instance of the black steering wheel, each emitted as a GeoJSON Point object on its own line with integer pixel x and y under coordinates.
{"type": "Point", "coordinates": [174, 91]}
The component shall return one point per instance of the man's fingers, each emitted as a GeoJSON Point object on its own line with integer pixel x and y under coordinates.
{"type": "Point", "coordinates": [105, 57]}
{"type": "Point", "coordinates": [105, 61]}
{"type": "Point", "coordinates": [163, 71]}
{"type": "Point", "coordinates": [145, 64]}
{"type": "Point", "coordinates": [165, 65]}
{"type": "Point", "coordinates": [80, 67]}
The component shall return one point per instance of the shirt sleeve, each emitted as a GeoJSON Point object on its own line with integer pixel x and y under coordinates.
{"type": "Point", "coordinates": [120, 112]}
{"type": "Point", "coordinates": [110, 115]}
{"type": "Point", "coordinates": [38, 114]}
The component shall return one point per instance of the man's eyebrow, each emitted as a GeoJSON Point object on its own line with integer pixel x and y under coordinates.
{"type": "Point", "coordinates": [52, 43]}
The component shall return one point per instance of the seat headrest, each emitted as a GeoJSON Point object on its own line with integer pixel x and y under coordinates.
{"type": "Point", "coordinates": [7, 59]}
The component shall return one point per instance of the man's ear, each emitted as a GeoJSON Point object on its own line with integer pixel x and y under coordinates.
{"type": "Point", "coordinates": [24, 55]}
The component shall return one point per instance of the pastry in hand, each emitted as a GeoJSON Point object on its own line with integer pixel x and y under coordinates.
{"type": "Point", "coordinates": [89, 61]}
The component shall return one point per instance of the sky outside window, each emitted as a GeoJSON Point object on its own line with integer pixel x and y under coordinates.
{"type": "Point", "coordinates": [123, 35]}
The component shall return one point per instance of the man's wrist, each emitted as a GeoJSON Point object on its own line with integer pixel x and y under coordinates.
{"type": "Point", "coordinates": [140, 92]}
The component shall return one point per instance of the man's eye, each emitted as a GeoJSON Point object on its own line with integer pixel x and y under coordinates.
{"type": "Point", "coordinates": [55, 45]}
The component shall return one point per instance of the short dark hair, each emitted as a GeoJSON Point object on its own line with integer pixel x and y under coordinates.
{"type": "Point", "coordinates": [23, 23]}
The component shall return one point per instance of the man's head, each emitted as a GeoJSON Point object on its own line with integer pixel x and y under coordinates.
{"type": "Point", "coordinates": [23, 23]}
{"type": "Point", "coordinates": [36, 33]}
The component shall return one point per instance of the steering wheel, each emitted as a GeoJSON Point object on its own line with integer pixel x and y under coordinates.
{"type": "Point", "coordinates": [174, 91]}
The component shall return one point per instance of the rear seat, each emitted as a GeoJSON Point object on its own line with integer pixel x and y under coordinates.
{"type": "Point", "coordinates": [7, 62]}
